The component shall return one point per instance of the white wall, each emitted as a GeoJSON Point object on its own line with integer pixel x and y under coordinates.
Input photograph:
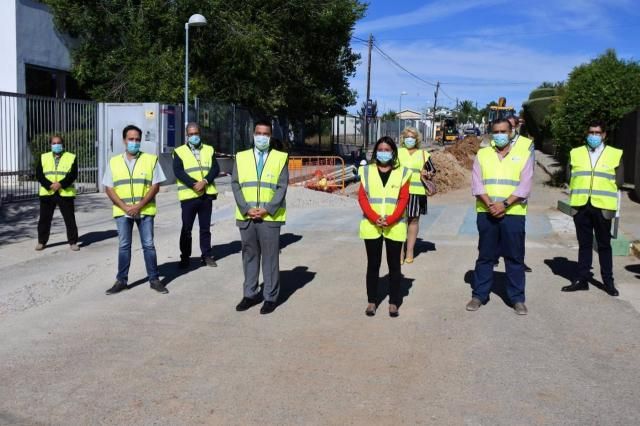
{"type": "Point", "coordinates": [8, 46]}
{"type": "Point", "coordinates": [38, 42]}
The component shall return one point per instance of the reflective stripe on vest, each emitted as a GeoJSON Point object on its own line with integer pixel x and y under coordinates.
{"type": "Point", "coordinates": [415, 163]}
{"type": "Point", "coordinates": [597, 183]}
{"type": "Point", "coordinates": [501, 178]}
{"type": "Point", "coordinates": [196, 169]}
{"type": "Point", "coordinates": [131, 187]}
{"type": "Point", "coordinates": [56, 174]}
{"type": "Point", "coordinates": [258, 191]}
{"type": "Point", "coordinates": [383, 200]}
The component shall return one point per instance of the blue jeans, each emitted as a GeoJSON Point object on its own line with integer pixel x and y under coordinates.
{"type": "Point", "coordinates": [504, 236]}
{"type": "Point", "coordinates": [125, 230]}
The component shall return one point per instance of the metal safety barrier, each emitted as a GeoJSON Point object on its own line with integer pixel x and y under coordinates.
{"type": "Point", "coordinates": [26, 124]}
{"type": "Point", "coordinates": [322, 173]}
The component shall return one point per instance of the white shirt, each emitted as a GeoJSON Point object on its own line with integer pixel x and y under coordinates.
{"type": "Point", "coordinates": [257, 152]}
{"type": "Point", "coordinates": [594, 154]}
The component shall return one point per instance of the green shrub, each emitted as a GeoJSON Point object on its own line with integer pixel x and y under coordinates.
{"type": "Point", "coordinates": [606, 89]}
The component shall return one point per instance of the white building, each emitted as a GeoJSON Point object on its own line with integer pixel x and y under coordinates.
{"type": "Point", "coordinates": [35, 57]}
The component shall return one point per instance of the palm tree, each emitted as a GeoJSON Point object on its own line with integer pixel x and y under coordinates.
{"type": "Point", "coordinates": [466, 111]}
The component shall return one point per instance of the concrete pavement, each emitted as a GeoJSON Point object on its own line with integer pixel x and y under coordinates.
{"type": "Point", "coordinates": [71, 355]}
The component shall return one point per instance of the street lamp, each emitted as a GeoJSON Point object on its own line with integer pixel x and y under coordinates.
{"type": "Point", "coordinates": [196, 20]}
{"type": "Point", "coordinates": [400, 112]}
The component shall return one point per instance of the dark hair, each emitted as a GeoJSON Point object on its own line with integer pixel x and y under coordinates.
{"type": "Point", "coordinates": [598, 123]}
{"type": "Point", "coordinates": [263, 123]}
{"type": "Point", "coordinates": [56, 135]}
{"type": "Point", "coordinates": [131, 127]}
{"type": "Point", "coordinates": [501, 121]}
{"type": "Point", "coordinates": [389, 141]}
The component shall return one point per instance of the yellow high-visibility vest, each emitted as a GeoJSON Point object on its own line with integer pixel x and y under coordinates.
{"type": "Point", "coordinates": [415, 163]}
{"type": "Point", "coordinates": [132, 187]}
{"type": "Point", "coordinates": [501, 178]}
{"type": "Point", "coordinates": [383, 199]}
{"type": "Point", "coordinates": [597, 183]}
{"type": "Point", "coordinates": [259, 190]}
{"type": "Point", "coordinates": [197, 169]}
{"type": "Point", "coordinates": [56, 174]}
{"type": "Point", "coordinates": [522, 145]}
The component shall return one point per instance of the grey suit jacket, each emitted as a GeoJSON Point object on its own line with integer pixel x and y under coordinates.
{"type": "Point", "coordinates": [272, 206]}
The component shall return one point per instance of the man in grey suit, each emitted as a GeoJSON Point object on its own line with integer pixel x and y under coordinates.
{"type": "Point", "coordinates": [259, 183]}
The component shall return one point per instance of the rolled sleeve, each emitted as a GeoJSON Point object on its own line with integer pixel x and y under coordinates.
{"type": "Point", "coordinates": [107, 179]}
{"type": "Point", "coordinates": [158, 175]}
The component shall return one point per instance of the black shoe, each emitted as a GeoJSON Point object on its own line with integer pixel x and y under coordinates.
{"type": "Point", "coordinates": [611, 290]}
{"type": "Point", "coordinates": [527, 269]}
{"type": "Point", "coordinates": [184, 263]}
{"type": "Point", "coordinates": [247, 303]}
{"type": "Point", "coordinates": [117, 288]}
{"type": "Point", "coordinates": [158, 286]}
{"type": "Point", "coordinates": [370, 311]}
{"type": "Point", "coordinates": [209, 261]}
{"type": "Point", "coordinates": [268, 307]}
{"type": "Point", "coordinates": [577, 285]}
{"type": "Point", "coordinates": [393, 311]}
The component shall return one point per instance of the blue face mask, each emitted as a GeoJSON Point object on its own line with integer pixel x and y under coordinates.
{"type": "Point", "coordinates": [500, 139]}
{"type": "Point", "coordinates": [133, 147]}
{"type": "Point", "coordinates": [261, 142]}
{"type": "Point", "coordinates": [409, 142]}
{"type": "Point", "coordinates": [594, 141]}
{"type": "Point", "coordinates": [57, 148]}
{"type": "Point", "coordinates": [194, 140]}
{"type": "Point", "coordinates": [384, 156]}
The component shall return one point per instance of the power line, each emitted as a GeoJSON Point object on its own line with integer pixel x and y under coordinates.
{"type": "Point", "coordinates": [393, 61]}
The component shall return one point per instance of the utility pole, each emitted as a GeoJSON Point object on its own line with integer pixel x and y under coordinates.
{"type": "Point", "coordinates": [366, 109]}
{"type": "Point", "coordinates": [435, 105]}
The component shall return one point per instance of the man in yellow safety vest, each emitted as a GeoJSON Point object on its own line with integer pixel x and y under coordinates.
{"type": "Point", "coordinates": [596, 175]}
{"type": "Point", "coordinates": [501, 180]}
{"type": "Point", "coordinates": [56, 172]}
{"type": "Point", "coordinates": [195, 168]}
{"type": "Point", "coordinates": [131, 182]}
{"type": "Point", "coordinates": [259, 183]}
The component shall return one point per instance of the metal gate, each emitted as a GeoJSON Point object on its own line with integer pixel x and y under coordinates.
{"type": "Point", "coordinates": [26, 124]}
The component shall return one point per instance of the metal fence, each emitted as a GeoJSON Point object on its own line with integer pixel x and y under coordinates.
{"type": "Point", "coordinates": [322, 173]}
{"type": "Point", "coordinates": [26, 124]}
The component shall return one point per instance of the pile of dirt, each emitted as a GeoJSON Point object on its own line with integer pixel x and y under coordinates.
{"type": "Point", "coordinates": [450, 173]}
{"type": "Point", "coordinates": [465, 150]}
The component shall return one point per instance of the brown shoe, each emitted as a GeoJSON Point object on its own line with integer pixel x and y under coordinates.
{"type": "Point", "coordinates": [74, 247]}
{"type": "Point", "coordinates": [520, 308]}
{"type": "Point", "coordinates": [39, 247]}
{"type": "Point", "coordinates": [474, 304]}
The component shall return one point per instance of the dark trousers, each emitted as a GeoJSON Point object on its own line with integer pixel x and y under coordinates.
{"type": "Point", "coordinates": [374, 259]}
{"type": "Point", "coordinates": [505, 236]}
{"type": "Point", "coordinates": [47, 207]}
{"type": "Point", "coordinates": [190, 208]}
{"type": "Point", "coordinates": [588, 220]}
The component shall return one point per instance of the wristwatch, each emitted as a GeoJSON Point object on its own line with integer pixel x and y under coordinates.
{"type": "Point", "coordinates": [505, 203]}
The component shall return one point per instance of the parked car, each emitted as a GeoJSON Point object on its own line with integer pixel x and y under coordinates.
{"type": "Point", "coordinates": [472, 131]}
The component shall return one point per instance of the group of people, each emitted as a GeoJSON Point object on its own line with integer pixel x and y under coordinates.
{"type": "Point", "coordinates": [393, 192]}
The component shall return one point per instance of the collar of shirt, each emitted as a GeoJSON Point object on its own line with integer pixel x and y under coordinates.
{"type": "Point", "coordinates": [595, 153]}
{"type": "Point", "coordinates": [257, 152]}
{"type": "Point", "coordinates": [502, 155]}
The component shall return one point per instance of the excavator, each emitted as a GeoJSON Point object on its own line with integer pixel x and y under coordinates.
{"type": "Point", "coordinates": [501, 110]}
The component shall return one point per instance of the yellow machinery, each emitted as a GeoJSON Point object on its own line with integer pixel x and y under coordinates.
{"type": "Point", "coordinates": [501, 110]}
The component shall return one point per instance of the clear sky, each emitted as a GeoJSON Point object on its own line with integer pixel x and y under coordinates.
{"type": "Point", "coordinates": [483, 49]}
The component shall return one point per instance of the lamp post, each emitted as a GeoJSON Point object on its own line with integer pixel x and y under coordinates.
{"type": "Point", "coordinates": [400, 112]}
{"type": "Point", "coordinates": [196, 20]}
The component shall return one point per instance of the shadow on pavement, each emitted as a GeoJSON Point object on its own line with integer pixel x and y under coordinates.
{"type": "Point", "coordinates": [634, 269]}
{"type": "Point", "coordinates": [383, 288]}
{"type": "Point", "coordinates": [292, 281]}
{"type": "Point", "coordinates": [567, 269]}
{"type": "Point", "coordinates": [169, 271]}
{"type": "Point", "coordinates": [423, 246]}
{"type": "Point", "coordinates": [96, 236]}
{"type": "Point", "coordinates": [499, 287]}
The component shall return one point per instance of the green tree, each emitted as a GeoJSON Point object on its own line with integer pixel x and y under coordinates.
{"type": "Point", "coordinates": [467, 112]}
{"type": "Point", "coordinates": [606, 88]}
{"type": "Point", "coordinates": [390, 115]}
{"type": "Point", "coordinates": [290, 59]}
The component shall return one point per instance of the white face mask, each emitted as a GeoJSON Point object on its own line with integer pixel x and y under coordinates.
{"type": "Point", "coordinates": [261, 142]}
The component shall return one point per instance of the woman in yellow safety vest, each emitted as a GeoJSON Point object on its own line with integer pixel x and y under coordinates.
{"type": "Point", "coordinates": [418, 161]}
{"type": "Point", "coordinates": [383, 197]}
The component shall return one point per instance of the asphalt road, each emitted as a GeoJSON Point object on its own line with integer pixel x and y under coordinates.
{"type": "Point", "coordinates": [71, 355]}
